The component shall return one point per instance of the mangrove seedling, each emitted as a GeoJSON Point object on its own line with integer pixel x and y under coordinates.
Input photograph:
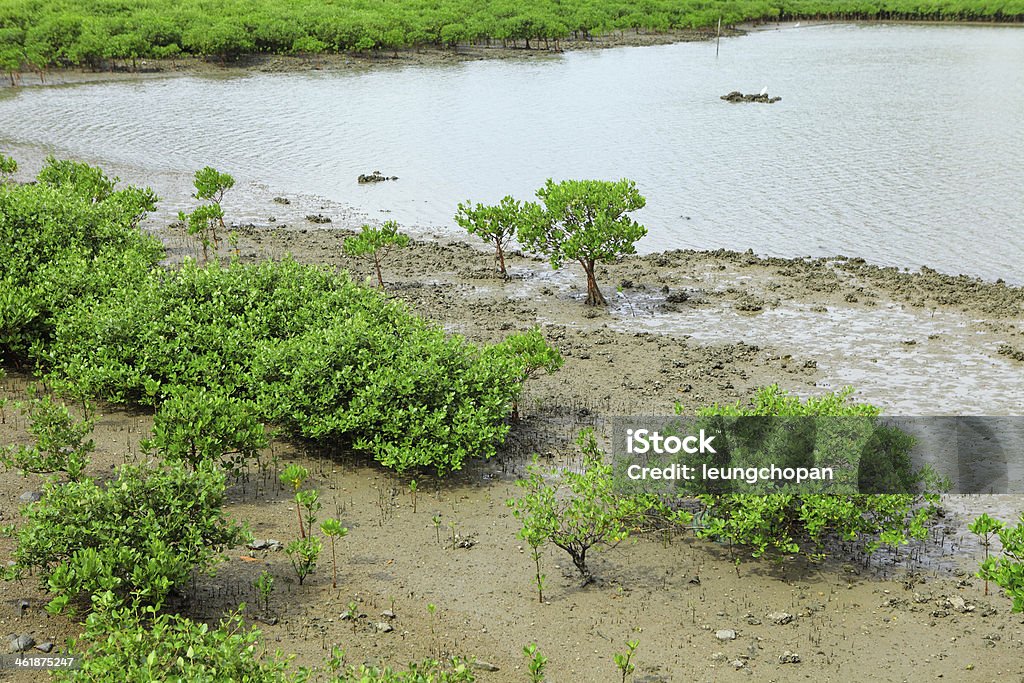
{"type": "Point", "coordinates": [493, 224]}
{"type": "Point", "coordinates": [310, 502]}
{"type": "Point", "coordinates": [303, 554]}
{"type": "Point", "coordinates": [264, 585]}
{"type": "Point", "coordinates": [624, 660]}
{"type": "Point", "coordinates": [376, 243]}
{"type": "Point", "coordinates": [412, 492]}
{"type": "Point", "coordinates": [985, 528]}
{"type": "Point", "coordinates": [536, 542]}
{"type": "Point", "coordinates": [293, 476]}
{"type": "Point", "coordinates": [333, 529]}
{"type": "Point", "coordinates": [538, 662]}
{"type": "Point", "coordinates": [8, 167]}
{"type": "Point", "coordinates": [436, 519]}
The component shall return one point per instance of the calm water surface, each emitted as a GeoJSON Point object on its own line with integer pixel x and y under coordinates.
{"type": "Point", "coordinates": [902, 144]}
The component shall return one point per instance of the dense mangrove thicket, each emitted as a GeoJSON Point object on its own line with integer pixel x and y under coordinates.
{"type": "Point", "coordinates": [84, 300]}
{"type": "Point", "coordinates": [98, 33]}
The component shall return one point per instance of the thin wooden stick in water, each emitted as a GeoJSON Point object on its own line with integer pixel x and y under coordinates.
{"type": "Point", "coordinates": [718, 37]}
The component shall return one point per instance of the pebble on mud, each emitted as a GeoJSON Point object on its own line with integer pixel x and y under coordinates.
{"type": "Point", "coordinates": [725, 634]}
{"type": "Point", "coordinates": [30, 497]}
{"type": "Point", "coordinates": [22, 643]}
{"type": "Point", "coordinates": [788, 657]}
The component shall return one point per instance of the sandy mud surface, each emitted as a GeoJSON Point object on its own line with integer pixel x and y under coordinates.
{"type": "Point", "coordinates": [684, 327]}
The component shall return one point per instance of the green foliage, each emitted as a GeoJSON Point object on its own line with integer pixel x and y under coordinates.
{"type": "Point", "coordinates": [624, 660]}
{"type": "Point", "coordinates": [204, 220]}
{"type": "Point", "coordinates": [198, 425]}
{"type": "Point", "coordinates": [96, 34]}
{"type": "Point", "coordinates": [495, 225]}
{"type": "Point", "coordinates": [135, 539]}
{"type": "Point", "coordinates": [8, 167]}
{"type": "Point", "coordinates": [314, 353]}
{"type": "Point", "coordinates": [126, 645]}
{"type": "Point", "coordinates": [530, 354]}
{"type": "Point", "coordinates": [537, 662]}
{"type": "Point", "coordinates": [333, 529]}
{"type": "Point", "coordinates": [69, 239]}
{"type": "Point", "coordinates": [427, 671]}
{"type": "Point", "coordinates": [60, 441]}
{"type": "Point", "coordinates": [264, 585]}
{"type": "Point", "coordinates": [376, 243]}
{"type": "Point", "coordinates": [1008, 569]}
{"type": "Point", "coordinates": [795, 522]}
{"type": "Point", "coordinates": [589, 514]}
{"type": "Point", "coordinates": [303, 554]}
{"type": "Point", "coordinates": [584, 221]}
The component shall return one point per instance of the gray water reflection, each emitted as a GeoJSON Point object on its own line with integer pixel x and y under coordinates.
{"type": "Point", "coordinates": [898, 143]}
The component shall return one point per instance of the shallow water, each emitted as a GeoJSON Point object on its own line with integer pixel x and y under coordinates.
{"type": "Point", "coordinates": [897, 143]}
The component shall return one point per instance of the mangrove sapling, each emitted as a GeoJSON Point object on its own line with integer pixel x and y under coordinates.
{"type": "Point", "coordinates": [211, 184]}
{"type": "Point", "coordinates": [293, 476]}
{"type": "Point", "coordinates": [592, 514]}
{"type": "Point", "coordinates": [537, 664]}
{"type": "Point", "coordinates": [493, 224]}
{"type": "Point", "coordinates": [985, 528]}
{"type": "Point", "coordinates": [1008, 570]}
{"type": "Point", "coordinates": [536, 541]}
{"type": "Point", "coordinates": [8, 167]}
{"type": "Point", "coordinates": [60, 443]}
{"type": "Point", "coordinates": [303, 554]}
{"type": "Point", "coordinates": [310, 502]}
{"type": "Point", "coordinates": [624, 660]}
{"type": "Point", "coordinates": [264, 585]}
{"type": "Point", "coordinates": [584, 221]}
{"type": "Point", "coordinates": [376, 243]}
{"type": "Point", "coordinates": [333, 529]}
{"type": "Point", "coordinates": [412, 492]}
{"type": "Point", "coordinates": [436, 519]}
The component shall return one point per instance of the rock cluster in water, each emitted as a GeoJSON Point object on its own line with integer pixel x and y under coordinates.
{"type": "Point", "coordinates": [375, 177]}
{"type": "Point", "coordinates": [737, 96]}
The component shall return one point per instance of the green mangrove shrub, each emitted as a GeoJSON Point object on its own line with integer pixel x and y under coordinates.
{"type": "Point", "coordinates": [137, 538]}
{"type": "Point", "coordinates": [315, 354]}
{"type": "Point", "coordinates": [794, 522]}
{"type": "Point", "coordinates": [128, 644]}
{"type": "Point", "coordinates": [69, 238]}
{"type": "Point", "coordinates": [197, 425]}
{"type": "Point", "coordinates": [203, 221]}
{"type": "Point", "coordinates": [60, 441]}
{"type": "Point", "coordinates": [495, 225]}
{"type": "Point", "coordinates": [376, 244]}
{"type": "Point", "coordinates": [585, 221]}
{"type": "Point", "coordinates": [1006, 570]}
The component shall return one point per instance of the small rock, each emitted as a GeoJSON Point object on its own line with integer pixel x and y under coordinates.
{"type": "Point", "coordinates": [718, 657]}
{"type": "Point", "coordinates": [388, 614]}
{"type": "Point", "coordinates": [788, 657]}
{"type": "Point", "coordinates": [779, 618]}
{"type": "Point", "coordinates": [960, 605]}
{"type": "Point", "coordinates": [45, 647]}
{"type": "Point", "coordinates": [317, 218]}
{"type": "Point", "coordinates": [383, 627]}
{"type": "Point", "coordinates": [23, 606]}
{"type": "Point", "coordinates": [259, 544]}
{"type": "Point", "coordinates": [738, 663]}
{"type": "Point", "coordinates": [30, 497]}
{"type": "Point", "coordinates": [282, 200]}
{"type": "Point", "coordinates": [22, 643]}
{"type": "Point", "coordinates": [725, 634]}
{"type": "Point", "coordinates": [484, 665]}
